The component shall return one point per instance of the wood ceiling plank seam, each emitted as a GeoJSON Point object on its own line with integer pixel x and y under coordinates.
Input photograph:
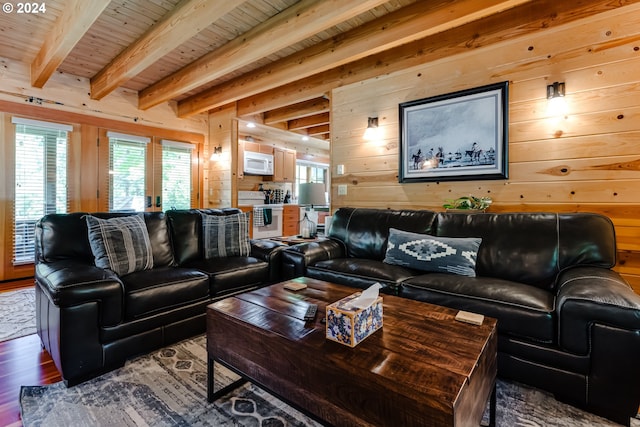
{"type": "Point", "coordinates": [149, 9]}
{"type": "Point", "coordinates": [270, 8]}
{"type": "Point", "coordinates": [120, 20]}
{"type": "Point", "coordinates": [123, 31]}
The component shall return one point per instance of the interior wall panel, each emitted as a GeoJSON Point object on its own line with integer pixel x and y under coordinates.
{"type": "Point", "coordinates": [587, 159]}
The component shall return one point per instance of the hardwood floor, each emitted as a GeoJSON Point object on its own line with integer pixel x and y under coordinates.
{"type": "Point", "coordinates": [22, 362]}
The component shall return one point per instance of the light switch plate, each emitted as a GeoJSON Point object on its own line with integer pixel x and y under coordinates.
{"type": "Point", "coordinates": [340, 169]}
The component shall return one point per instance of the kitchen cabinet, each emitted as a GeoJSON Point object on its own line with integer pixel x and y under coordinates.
{"type": "Point", "coordinates": [284, 165]}
{"type": "Point", "coordinates": [290, 220]}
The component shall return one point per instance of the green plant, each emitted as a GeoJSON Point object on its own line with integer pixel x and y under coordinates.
{"type": "Point", "coordinates": [468, 202]}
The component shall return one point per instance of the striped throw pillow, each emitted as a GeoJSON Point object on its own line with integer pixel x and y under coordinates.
{"type": "Point", "coordinates": [121, 244]}
{"type": "Point", "coordinates": [225, 235]}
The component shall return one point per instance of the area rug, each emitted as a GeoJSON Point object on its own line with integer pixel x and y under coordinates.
{"type": "Point", "coordinates": [17, 313]}
{"type": "Point", "coordinates": [168, 388]}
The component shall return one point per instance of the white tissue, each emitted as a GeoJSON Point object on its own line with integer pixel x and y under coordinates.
{"type": "Point", "coordinates": [368, 297]}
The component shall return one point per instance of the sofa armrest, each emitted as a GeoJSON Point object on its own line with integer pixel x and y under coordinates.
{"type": "Point", "coordinates": [296, 258]}
{"type": "Point", "coordinates": [271, 252]}
{"type": "Point", "coordinates": [592, 295]}
{"type": "Point", "coordinates": [265, 249]}
{"type": "Point", "coordinates": [69, 283]}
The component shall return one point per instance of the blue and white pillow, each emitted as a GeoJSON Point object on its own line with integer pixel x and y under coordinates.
{"type": "Point", "coordinates": [226, 235]}
{"type": "Point", "coordinates": [455, 255]}
{"type": "Point", "coordinates": [121, 244]}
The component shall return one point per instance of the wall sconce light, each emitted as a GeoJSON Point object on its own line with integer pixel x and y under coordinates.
{"type": "Point", "coordinates": [557, 104]}
{"type": "Point", "coordinates": [217, 153]}
{"type": "Point", "coordinates": [373, 131]}
{"type": "Point", "coordinates": [556, 90]}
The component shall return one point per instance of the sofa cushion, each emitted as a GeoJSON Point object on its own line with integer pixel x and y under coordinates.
{"type": "Point", "coordinates": [361, 273]}
{"type": "Point", "coordinates": [364, 232]}
{"type": "Point", "coordinates": [522, 310]}
{"type": "Point", "coordinates": [233, 273]}
{"type": "Point", "coordinates": [158, 229]}
{"type": "Point", "coordinates": [225, 236]}
{"type": "Point", "coordinates": [431, 253]}
{"type": "Point", "coordinates": [121, 244]}
{"type": "Point", "coordinates": [185, 227]}
{"type": "Point", "coordinates": [161, 289]}
{"type": "Point", "coordinates": [521, 247]}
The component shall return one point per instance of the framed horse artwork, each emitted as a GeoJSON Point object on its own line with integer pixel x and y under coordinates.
{"type": "Point", "coordinates": [457, 136]}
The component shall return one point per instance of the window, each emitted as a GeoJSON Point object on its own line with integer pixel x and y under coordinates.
{"type": "Point", "coordinates": [312, 172]}
{"type": "Point", "coordinates": [176, 174]}
{"type": "Point", "coordinates": [40, 180]}
{"type": "Point", "coordinates": [127, 172]}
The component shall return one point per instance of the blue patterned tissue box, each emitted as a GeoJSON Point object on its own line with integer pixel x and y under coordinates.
{"type": "Point", "coordinates": [350, 325]}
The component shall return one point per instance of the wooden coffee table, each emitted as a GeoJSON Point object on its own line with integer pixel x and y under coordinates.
{"type": "Point", "coordinates": [423, 368]}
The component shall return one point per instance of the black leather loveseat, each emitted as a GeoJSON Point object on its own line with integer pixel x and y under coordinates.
{"type": "Point", "coordinates": [91, 319]}
{"type": "Point", "coordinates": [567, 323]}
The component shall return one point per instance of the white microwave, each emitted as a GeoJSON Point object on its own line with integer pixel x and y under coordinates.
{"type": "Point", "coordinates": [258, 163]}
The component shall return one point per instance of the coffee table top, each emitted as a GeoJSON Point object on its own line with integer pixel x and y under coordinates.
{"type": "Point", "coordinates": [421, 353]}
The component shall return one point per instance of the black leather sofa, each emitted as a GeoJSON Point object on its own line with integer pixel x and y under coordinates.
{"type": "Point", "coordinates": [567, 323]}
{"type": "Point", "coordinates": [91, 320]}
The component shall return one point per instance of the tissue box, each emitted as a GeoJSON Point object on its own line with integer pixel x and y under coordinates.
{"type": "Point", "coordinates": [350, 326]}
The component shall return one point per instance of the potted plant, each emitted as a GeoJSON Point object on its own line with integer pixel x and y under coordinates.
{"type": "Point", "coordinates": [468, 203]}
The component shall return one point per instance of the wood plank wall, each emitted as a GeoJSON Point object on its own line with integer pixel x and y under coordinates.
{"type": "Point", "coordinates": [586, 160]}
{"type": "Point", "coordinates": [220, 179]}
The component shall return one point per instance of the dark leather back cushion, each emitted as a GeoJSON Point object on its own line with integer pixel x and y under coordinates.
{"type": "Point", "coordinates": [159, 236]}
{"type": "Point", "coordinates": [587, 239]}
{"type": "Point", "coordinates": [532, 247]}
{"type": "Point", "coordinates": [63, 236]}
{"type": "Point", "coordinates": [365, 231]}
{"type": "Point", "coordinates": [518, 247]}
{"type": "Point", "coordinates": [186, 228]}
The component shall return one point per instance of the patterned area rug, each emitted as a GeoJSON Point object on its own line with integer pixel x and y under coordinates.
{"type": "Point", "coordinates": [164, 388]}
{"type": "Point", "coordinates": [168, 388]}
{"type": "Point", "coordinates": [17, 313]}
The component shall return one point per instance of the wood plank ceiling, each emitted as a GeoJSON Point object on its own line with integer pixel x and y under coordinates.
{"type": "Point", "coordinates": [266, 55]}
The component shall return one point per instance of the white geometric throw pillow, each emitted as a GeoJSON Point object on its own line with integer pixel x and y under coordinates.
{"type": "Point", "coordinates": [455, 255]}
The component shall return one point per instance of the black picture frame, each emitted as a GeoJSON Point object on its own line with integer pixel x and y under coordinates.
{"type": "Point", "coordinates": [457, 136]}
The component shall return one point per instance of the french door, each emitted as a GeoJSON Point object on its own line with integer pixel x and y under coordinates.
{"type": "Point", "coordinates": [146, 173]}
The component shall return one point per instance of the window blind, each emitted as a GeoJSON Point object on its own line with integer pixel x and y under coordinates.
{"type": "Point", "coordinates": [176, 174]}
{"type": "Point", "coordinates": [40, 180]}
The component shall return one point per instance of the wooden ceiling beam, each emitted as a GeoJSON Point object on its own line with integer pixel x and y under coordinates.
{"type": "Point", "coordinates": [298, 22]}
{"type": "Point", "coordinates": [176, 27]}
{"type": "Point", "coordinates": [415, 21]}
{"type": "Point", "coordinates": [517, 22]}
{"type": "Point", "coordinates": [63, 37]}
{"type": "Point", "coordinates": [309, 121]}
{"type": "Point", "coordinates": [318, 130]}
{"type": "Point", "coordinates": [301, 109]}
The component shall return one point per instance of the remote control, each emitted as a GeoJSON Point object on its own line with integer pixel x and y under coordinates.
{"type": "Point", "coordinates": [311, 312]}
